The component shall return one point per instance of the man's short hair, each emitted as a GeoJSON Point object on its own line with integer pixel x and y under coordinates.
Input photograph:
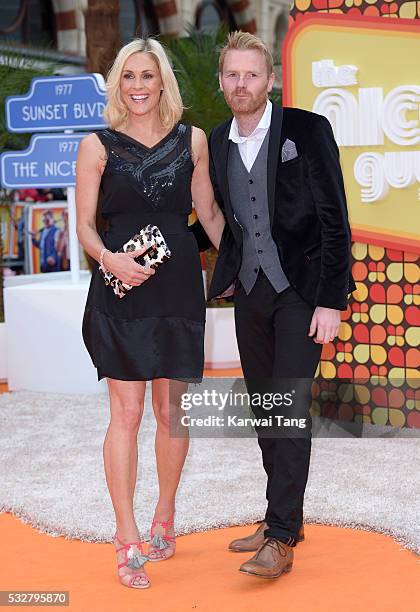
{"type": "Point", "coordinates": [244, 40]}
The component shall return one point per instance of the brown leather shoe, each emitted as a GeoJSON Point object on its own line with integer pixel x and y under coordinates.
{"type": "Point", "coordinates": [253, 542]}
{"type": "Point", "coordinates": [271, 560]}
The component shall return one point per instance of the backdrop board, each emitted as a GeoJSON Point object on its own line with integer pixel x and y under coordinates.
{"type": "Point", "coordinates": [361, 72]}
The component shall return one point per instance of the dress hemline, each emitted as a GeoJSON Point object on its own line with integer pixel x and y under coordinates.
{"type": "Point", "coordinates": [187, 379]}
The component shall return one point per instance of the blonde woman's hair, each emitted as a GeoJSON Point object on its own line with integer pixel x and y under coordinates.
{"type": "Point", "coordinates": [170, 104]}
{"type": "Point", "coordinates": [244, 40]}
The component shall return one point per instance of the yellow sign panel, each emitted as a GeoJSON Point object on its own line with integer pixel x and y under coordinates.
{"type": "Point", "coordinates": [363, 75]}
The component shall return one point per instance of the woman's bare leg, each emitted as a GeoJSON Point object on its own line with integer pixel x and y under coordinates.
{"type": "Point", "coordinates": [120, 452]}
{"type": "Point", "coordinates": [171, 450]}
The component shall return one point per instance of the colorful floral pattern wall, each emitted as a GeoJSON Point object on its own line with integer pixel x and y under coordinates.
{"type": "Point", "coordinates": [371, 373]}
{"type": "Point", "coordinates": [408, 9]}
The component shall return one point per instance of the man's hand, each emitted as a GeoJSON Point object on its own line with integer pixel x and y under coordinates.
{"type": "Point", "coordinates": [325, 322]}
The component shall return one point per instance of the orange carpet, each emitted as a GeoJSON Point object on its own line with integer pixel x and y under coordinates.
{"type": "Point", "coordinates": [335, 570]}
{"type": "Point", "coordinates": [227, 373]}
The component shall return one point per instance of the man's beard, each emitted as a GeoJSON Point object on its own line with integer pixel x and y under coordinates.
{"type": "Point", "coordinates": [245, 106]}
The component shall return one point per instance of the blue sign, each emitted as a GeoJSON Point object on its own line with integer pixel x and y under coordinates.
{"type": "Point", "coordinates": [58, 103]}
{"type": "Point", "coordinates": [49, 161]}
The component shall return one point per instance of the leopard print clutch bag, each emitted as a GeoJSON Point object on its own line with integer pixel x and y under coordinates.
{"type": "Point", "coordinates": [156, 253]}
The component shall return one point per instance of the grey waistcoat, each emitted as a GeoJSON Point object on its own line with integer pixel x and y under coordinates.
{"type": "Point", "coordinates": [248, 194]}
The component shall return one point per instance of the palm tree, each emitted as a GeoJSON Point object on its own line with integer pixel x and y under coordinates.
{"type": "Point", "coordinates": [102, 34]}
{"type": "Point", "coordinates": [16, 73]}
{"type": "Point", "coordinates": [195, 61]}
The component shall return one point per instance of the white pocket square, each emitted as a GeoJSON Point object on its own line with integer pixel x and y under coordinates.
{"type": "Point", "coordinates": [288, 150]}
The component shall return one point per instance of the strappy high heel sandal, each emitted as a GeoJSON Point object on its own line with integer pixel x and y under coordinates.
{"type": "Point", "coordinates": [131, 556]}
{"type": "Point", "coordinates": [162, 545]}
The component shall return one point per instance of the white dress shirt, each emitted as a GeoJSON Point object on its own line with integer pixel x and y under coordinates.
{"type": "Point", "coordinates": [249, 146]}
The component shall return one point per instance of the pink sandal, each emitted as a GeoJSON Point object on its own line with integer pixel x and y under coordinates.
{"type": "Point", "coordinates": [162, 545]}
{"type": "Point", "coordinates": [134, 559]}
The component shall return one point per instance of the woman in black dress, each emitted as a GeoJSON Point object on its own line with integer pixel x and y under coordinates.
{"type": "Point", "coordinates": [147, 167]}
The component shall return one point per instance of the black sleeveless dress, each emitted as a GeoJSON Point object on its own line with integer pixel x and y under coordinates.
{"type": "Point", "coordinates": [157, 329]}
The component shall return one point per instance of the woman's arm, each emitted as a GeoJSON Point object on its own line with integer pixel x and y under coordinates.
{"type": "Point", "coordinates": [208, 211]}
{"type": "Point", "coordinates": [90, 165]}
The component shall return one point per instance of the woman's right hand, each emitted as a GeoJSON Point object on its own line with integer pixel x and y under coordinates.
{"type": "Point", "coordinates": [128, 271]}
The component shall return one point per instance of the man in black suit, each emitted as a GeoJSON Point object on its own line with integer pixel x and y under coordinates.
{"type": "Point", "coordinates": [285, 252]}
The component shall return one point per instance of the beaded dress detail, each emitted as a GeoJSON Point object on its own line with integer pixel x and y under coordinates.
{"type": "Point", "coordinates": [157, 330]}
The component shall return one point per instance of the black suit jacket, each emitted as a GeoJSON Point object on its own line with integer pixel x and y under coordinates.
{"type": "Point", "coordinates": [307, 208]}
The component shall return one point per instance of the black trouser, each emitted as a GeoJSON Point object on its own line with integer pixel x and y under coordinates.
{"type": "Point", "coordinates": [277, 355]}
